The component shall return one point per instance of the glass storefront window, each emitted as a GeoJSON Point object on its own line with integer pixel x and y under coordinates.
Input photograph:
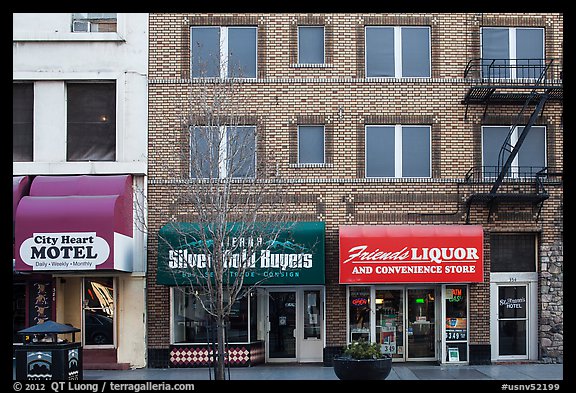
{"type": "Point", "coordinates": [390, 322]}
{"type": "Point", "coordinates": [359, 306]}
{"type": "Point", "coordinates": [99, 311]}
{"type": "Point", "coordinates": [191, 321]}
{"type": "Point", "coordinates": [312, 314]}
{"type": "Point", "coordinates": [456, 323]}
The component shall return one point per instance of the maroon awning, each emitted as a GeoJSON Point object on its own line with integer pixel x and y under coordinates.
{"type": "Point", "coordinates": [75, 223]}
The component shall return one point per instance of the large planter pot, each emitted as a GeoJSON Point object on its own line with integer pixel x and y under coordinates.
{"type": "Point", "coordinates": [362, 369]}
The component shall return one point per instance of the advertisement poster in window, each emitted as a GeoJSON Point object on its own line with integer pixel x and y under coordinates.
{"type": "Point", "coordinates": [388, 339]}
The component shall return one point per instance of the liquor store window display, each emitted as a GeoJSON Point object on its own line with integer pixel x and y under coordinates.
{"type": "Point", "coordinates": [456, 323]}
{"type": "Point", "coordinates": [423, 322]}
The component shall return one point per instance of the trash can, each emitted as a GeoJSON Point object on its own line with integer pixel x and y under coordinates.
{"type": "Point", "coordinates": [45, 357]}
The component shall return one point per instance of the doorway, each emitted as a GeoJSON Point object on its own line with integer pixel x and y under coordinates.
{"type": "Point", "coordinates": [405, 323]}
{"type": "Point", "coordinates": [295, 323]}
{"type": "Point", "coordinates": [421, 323]}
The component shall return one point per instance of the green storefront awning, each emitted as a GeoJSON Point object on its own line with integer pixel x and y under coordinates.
{"type": "Point", "coordinates": [274, 254]}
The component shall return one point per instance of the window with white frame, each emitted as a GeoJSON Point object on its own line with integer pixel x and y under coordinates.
{"type": "Point", "coordinates": [398, 151]}
{"type": "Point", "coordinates": [91, 121]}
{"type": "Point", "coordinates": [398, 51]}
{"type": "Point", "coordinates": [223, 52]}
{"type": "Point", "coordinates": [531, 156]}
{"type": "Point", "coordinates": [311, 144]}
{"type": "Point", "coordinates": [513, 52]}
{"type": "Point", "coordinates": [94, 22]}
{"type": "Point", "coordinates": [22, 122]}
{"type": "Point", "coordinates": [311, 45]}
{"type": "Point", "coordinates": [222, 152]}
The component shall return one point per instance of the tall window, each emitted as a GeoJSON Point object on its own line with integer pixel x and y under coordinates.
{"type": "Point", "coordinates": [94, 22]}
{"type": "Point", "coordinates": [99, 310]}
{"type": "Point", "coordinates": [223, 151]}
{"type": "Point", "coordinates": [359, 313]}
{"type": "Point", "coordinates": [22, 121]}
{"type": "Point", "coordinates": [397, 52]}
{"type": "Point", "coordinates": [311, 45]}
{"type": "Point", "coordinates": [223, 52]}
{"type": "Point", "coordinates": [311, 144]}
{"type": "Point", "coordinates": [91, 122]}
{"type": "Point", "coordinates": [512, 52]}
{"type": "Point", "coordinates": [398, 151]}
{"type": "Point", "coordinates": [531, 156]}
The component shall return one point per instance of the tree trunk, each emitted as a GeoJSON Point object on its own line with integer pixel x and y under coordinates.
{"type": "Point", "coordinates": [220, 359]}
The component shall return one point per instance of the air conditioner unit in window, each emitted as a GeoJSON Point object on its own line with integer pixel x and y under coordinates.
{"type": "Point", "coordinates": [81, 26]}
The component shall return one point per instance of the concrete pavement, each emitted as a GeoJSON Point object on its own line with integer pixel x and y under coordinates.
{"type": "Point", "coordinates": [400, 371]}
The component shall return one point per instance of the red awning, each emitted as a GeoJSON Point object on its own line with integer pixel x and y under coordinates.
{"type": "Point", "coordinates": [75, 223]}
{"type": "Point", "coordinates": [411, 253]}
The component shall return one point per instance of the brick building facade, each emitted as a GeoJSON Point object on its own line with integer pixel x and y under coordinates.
{"type": "Point", "coordinates": [340, 94]}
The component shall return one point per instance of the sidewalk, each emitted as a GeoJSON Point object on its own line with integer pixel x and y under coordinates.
{"type": "Point", "coordinates": [400, 371]}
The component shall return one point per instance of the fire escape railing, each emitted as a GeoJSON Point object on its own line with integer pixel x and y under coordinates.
{"type": "Point", "coordinates": [511, 82]}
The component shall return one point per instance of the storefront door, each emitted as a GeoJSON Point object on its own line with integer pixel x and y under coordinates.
{"type": "Point", "coordinates": [282, 326]}
{"type": "Point", "coordinates": [295, 325]}
{"type": "Point", "coordinates": [513, 321]}
{"type": "Point", "coordinates": [421, 324]}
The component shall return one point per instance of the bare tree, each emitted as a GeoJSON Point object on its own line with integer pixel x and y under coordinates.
{"type": "Point", "coordinates": [227, 214]}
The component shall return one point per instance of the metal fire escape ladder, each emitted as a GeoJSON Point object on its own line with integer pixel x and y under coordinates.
{"type": "Point", "coordinates": [506, 146]}
{"type": "Point", "coordinates": [494, 87]}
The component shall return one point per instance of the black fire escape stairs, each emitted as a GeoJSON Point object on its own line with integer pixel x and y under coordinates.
{"type": "Point", "coordinates": [542, 83]}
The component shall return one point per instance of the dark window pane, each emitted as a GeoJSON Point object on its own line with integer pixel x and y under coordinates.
{"type": "Point", "coordinates": [238, 322]}
{"type": "Point", "coordinates": [415, 52]}
{"type": "Point", "coordinates": [242, 52]}
{"type": "Point", "coordinates": [513, 252]}
{"type": "Point", "coordinates": [311, 144]}
{"type": "Point", "coordinates": [495, 53]}
{"type": "Point", "coordinates": [492, 140]}
{"type": "Point", "coordinates": [311, 44]}
{"type": "Point", "coordinates": [512, 338]}
{"type": "Point", "coordinates": [91, 125]}
{"type": "Point", "coordinates": [205, 42]}
{"type": "Point", "coordinates": [380, 151]}
{"type": "Point", "coordinates": [204, 147]}
{"type": "Point", "coordinates": [380, 52]}
{"type": "Point", "coordinates": [241, 159]}
{"type": "Point", "coordinates": [532, 153]}
{"type": "Point", "coordinates": [529, 52]}
{"type": "Point", "coordinates": [415, 151]}
{"type": "Point", "coordinates": [22, 121]}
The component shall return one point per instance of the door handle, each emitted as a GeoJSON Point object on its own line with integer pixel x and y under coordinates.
{"type": "Point", "coordinates": [294, 333]}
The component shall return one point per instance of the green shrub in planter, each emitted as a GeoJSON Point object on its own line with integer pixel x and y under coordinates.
{"type": "Point", "coordinates": [363, 350]}
{"type": "Point", "coordinates": [362, 360]}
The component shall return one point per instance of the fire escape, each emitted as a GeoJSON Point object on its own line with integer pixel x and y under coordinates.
{"type": "Point", "coordinates": [525, 83]}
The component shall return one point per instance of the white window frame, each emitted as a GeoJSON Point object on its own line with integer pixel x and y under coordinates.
{"type": "Point", "coordinates": [324, 41]}
{"type": "Point", "coordinates": [397, 151]}
{"type": "Point", "coordinates": [512, 47]}
{"type": "Point", "coordinates": [223, 153]}
{"type": "Point", "coordinates": [398, 71]}
{"type": "Point", "coordinates": [514, 172]}
{"type": "Point", "coordinates": [323, 144]}
{"type": "Point", "coordinates": [224, 51]}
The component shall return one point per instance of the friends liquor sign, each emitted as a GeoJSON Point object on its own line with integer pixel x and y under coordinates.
{"type": "Point", "coordinates": [411, 253]}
